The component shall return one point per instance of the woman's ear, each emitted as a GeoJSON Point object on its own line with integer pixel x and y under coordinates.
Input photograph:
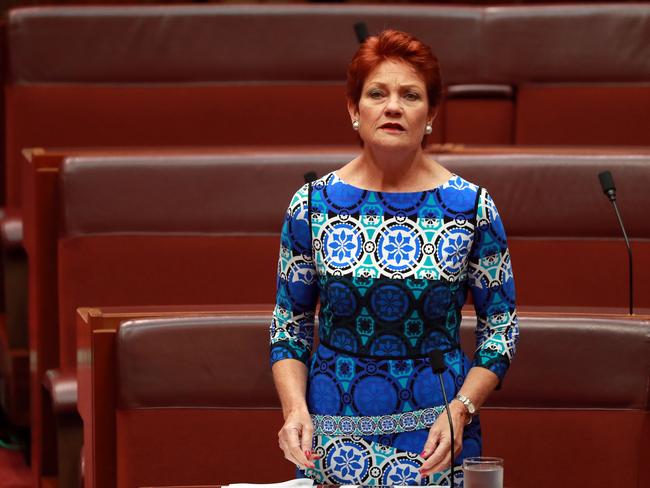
{"type": "Point", "coordinates": [433, 113]}
{"type": "Point", "coordinates": [353, 110]}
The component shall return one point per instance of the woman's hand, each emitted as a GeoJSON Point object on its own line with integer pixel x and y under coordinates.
{"type": "Point", "coordinates": [295, 438]}
{"type": "Point", "coordinates": [436, 449]}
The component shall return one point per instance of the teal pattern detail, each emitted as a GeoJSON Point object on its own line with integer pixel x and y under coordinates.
{"type": "Point", "coordinates": [339, 425]}
{"type": "Point", "coordinates": [354, 460]}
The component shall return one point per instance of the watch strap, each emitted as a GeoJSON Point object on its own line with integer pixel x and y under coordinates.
{"type": "Point", "coordinates": [471, 409]}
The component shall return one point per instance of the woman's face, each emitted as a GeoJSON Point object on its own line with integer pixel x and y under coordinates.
{"type": "Point", "coordinates": [393, 109]}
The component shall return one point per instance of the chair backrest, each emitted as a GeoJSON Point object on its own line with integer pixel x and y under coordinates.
{"type": "Point", "coordinates": [562, 362]}
{"type": "Point", "coordinates": [193, 392]}
{"type": "Point", "coordinates": [204, 229]}
{"type": "Point", "coordinates": [274, 75]}
{"type": "Point", "coordinates": [195, 399]}
{"type": "Point", "coordinates": [194, 362]}
{"type": "Point", "coordinates": [572, 376]}
{"type": "Point", "coordinates": [174, 230]}
{"type": "Point", "coordinates": [563, 235]}
{"type": "Point", "coordinates": [198, 75]}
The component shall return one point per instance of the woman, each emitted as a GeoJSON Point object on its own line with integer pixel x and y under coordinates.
{"type": "Point", "coordinates": [389, 244]}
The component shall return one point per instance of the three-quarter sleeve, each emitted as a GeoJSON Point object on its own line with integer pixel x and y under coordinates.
{"type": "Point", "coordinates": [292, 326]}
{"type": "Point", "coordinates": [493, 290]}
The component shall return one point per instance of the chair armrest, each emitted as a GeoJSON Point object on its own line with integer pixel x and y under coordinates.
{"type": "Point", "coordinates": [503, 92]}
{"type": "Point", "coordinates": [62, 387]}
{"type": "Point", "coordinates": [11, 231]}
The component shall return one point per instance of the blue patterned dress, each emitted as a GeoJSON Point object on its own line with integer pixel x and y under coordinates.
{"type": "Point", "coordinates": [391, 272]}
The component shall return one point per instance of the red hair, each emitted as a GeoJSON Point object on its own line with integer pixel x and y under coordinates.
{"type": "Point", "coordinates": [399, 46]}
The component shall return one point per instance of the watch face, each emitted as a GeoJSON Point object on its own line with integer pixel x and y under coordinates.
{"type": "Point", "coordinates": [468, 404]}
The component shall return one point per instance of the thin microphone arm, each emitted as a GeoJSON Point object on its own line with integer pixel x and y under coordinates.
{"type": "Point", "coordinates": [438, 367]}
{"type": "Point", "coordinates": [607, 183]}
{"type": "Point", "coordinates": [629, 257]}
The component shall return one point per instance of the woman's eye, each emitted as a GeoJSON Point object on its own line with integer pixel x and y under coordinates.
{"type": "Point", "coordinates": [375, 94]}
{"type": "Point", "coordinates": [412, 97]}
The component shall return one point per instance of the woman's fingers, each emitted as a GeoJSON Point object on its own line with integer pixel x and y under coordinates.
{"type": "Point", "coordinates": [438, 459]}
{"type": "Point", "coordinates": [290, 443]}
{"type": "Point", "coordinates": [437, 448]}
{"type": "Point", "coordinates": [307, 437]}
{"type": "Point", "coordinates": [431, 443]}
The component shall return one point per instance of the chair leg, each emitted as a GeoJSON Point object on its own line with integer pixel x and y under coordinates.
{"type": "Point", "coordinates": [69, 441]}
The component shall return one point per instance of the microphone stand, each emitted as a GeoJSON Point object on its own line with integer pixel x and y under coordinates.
{"type": "Point", "coordinates": [607, 183]}
{"type": "Point", "coordinates": [438, 367]}
{"type": "Point", "coordinates": [629, 256]}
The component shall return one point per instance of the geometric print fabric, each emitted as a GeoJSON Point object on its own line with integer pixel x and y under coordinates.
{"type": "Point", "coordinates": [391, 272]}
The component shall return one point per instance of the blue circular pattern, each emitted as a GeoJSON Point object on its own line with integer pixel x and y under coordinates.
{"type": "Point", "coordinates": [456, 203]}
{"type": "Point", "coordinates": [408, 421]}
{"type": "Point", "coordinates": [324, 396]}
{"type": "Point", "coordinates": [389, 302]}
{"type": "Point", "coordinates": [436, 341]}
{"type": "Point", "coordinates": [426, 391]}
{"type": "Point", "coordinates": [343, 242]}
{"type": "Point", "coordinates": [301, 277]}
{"type": "Point", "coordinates": [374, 395]}
{"type": "Point", "coordinates": [367, 426]}
{"type": "Point", "coordinates": [344, 339]}
{"type": "Point", "coordinates": [402, 203]}
{"type": "Point", "coordinates": [341, 197]}
{"type": "Point", "coordinates": [399, 247]}
{"type": "Point", "coordinates": [452, 248]}
{"type": "Point", "coordinates": [347, 460]}
{"type": "Point", "coordinates": [298, 229]}
{"type": "Point", "coordinates": [435, 302]}
{"type": "Point", "coordinates": [401, 471]}
{"type": "Point", "coordinates": [342, 299]}
{"type": "Point", "coordinates": [387, 346]}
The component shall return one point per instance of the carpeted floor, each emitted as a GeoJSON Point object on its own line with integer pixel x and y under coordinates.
{"type": "Point", "coordinates": [14, 473]}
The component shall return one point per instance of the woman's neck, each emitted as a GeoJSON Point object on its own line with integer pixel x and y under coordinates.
{"type": "Point", "coordinates": [393, 171]}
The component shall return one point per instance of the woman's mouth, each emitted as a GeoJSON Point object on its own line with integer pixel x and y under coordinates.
{"type": "Point", "coordinates": [392, 127]}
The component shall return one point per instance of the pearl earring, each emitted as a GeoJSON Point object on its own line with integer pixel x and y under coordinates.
{"type": "Point", "coordinates": [355, 124]}
{"type": "Point", "coordinates": [428, 129]}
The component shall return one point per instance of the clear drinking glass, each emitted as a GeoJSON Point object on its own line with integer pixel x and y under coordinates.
{"type": "Point", "coordinates": [483, 472]}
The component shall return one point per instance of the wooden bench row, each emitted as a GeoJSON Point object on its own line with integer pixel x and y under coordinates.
{"type": "Point", "coordinates": [190, 400]}
{"type": "Point", "coordinates": [179, 228]}
{"type": "Point", "coordinates": [271, 75]}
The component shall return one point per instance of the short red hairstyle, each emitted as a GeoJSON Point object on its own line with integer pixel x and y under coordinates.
{"type": "Point", "coordinates": [398, 46]}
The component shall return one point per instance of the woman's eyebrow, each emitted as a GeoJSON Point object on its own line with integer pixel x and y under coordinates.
{"type": "Point", "coordinates": [380, 84]}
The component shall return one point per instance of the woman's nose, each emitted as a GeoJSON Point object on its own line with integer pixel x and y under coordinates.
{"type": "Point", "coordinates": [393, 106]}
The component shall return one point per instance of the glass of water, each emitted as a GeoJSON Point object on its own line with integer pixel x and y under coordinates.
{"type": "Point", "coordinates": [483, 472]}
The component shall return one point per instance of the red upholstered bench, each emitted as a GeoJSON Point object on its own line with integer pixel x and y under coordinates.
{"type": "Point", "coordinates": [152, 229]}
{"type": "Point", "coordinates": [574, 408]}
{"type": "Point", "coordinates": [142, 236]}
{"type": "Point", "coordinates": [564, 238]}
{"type": "Point", "coordinates": [509, 74]}
{"type": "Point", "coordinates": [574, 85]}
{"type": "Point", "coordinates": [96, 329]}
{"type": "Point", "coordinates": [572, 376]}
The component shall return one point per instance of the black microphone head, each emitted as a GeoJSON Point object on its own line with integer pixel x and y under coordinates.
{"type": "Point", "coordinates": [361, 30]}
{"type": "Point", "coordinates": [607, 183]}
{"type": "Point", "coordinates": [309, 176]}
{"type": "Point", "coordinates": [437, 359]}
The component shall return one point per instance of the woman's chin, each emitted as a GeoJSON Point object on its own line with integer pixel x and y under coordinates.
{"type": "Point", "coordinates": [393, 144]}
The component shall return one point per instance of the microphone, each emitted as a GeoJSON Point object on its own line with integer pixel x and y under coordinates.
{"type": "Point", "coordinates": [361, 30]}
{"type": "Point", "coordinates": [607, 184]}
{"type": "Point", "coordinates": [309, 176]}
{"type": "Point", "coordinates": [438, 367]}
